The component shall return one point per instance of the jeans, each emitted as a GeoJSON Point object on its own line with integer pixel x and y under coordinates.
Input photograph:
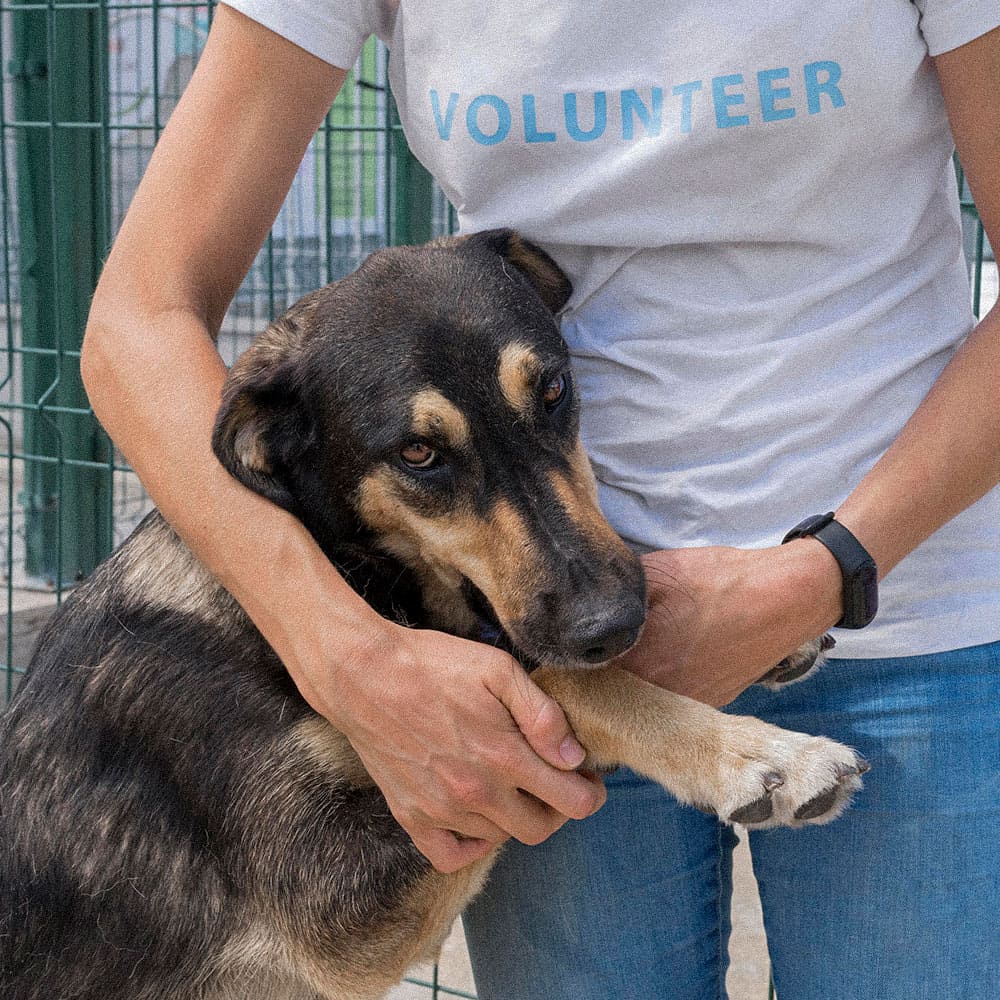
{"type": "Point", "coordinates": [898, 899]}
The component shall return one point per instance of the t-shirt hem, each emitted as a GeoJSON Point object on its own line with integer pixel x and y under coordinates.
{"type": "Point", "coordinates": [943, 635]}
{"type": "Point", "coordinates": [955, 24]}
{"type": "Point", "coordinates": [334, 42]}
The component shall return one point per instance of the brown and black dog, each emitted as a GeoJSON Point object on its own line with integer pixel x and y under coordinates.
{"type": "Point", "coordinates": [177, 824]}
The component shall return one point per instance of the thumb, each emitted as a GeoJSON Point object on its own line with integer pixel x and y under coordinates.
{"type": "Point", "coordinates": [540, 719]}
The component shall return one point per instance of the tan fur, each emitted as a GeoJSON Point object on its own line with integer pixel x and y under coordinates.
{"type": "Point", "coordinates": [547, 280]}
{"type": "Point", "coordinates": [518, 374]}
{"type": "Point", "coordinates": [436, 416]}
{"type": "Point", "coordinates": [702, 756]}
{"type": "Point", "coordinates": [446, 605]}
{"type": "Point", "coordinates": [180, 583]}
{"type": "Point", "coordinates": [439, 900]}
{"type": "Point", "coordinates": [249, 447]}
{"type": "Point", "coordinates": [582, 474]}
{"type": "Point", "coordinates": [254, 964]}
{"type": "Point", "coordinates": [330, 748]}
{"type": "Point", "coordinates": [495, 554]}
{"type": "Point", "coordinates": [578, 495]}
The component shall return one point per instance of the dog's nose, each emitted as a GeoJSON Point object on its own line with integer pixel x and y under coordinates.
{"type": "Point", "coordinates": [602, 637]}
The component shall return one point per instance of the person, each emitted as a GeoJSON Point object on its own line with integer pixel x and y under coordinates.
{"type": "Point", "coordinates": [770, 319]}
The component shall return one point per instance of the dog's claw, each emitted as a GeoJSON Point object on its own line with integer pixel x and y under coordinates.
{"type": "Point", "coordinates": [861, 766]}
{"type": "Point", "coordinates": [773, 780]}
{"type": "Point", "coordinates": [800, 664]}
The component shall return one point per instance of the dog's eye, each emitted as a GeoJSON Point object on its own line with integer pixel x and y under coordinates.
{"type": "Point", "coordinates": [418, 455]}
{"type": "Point", "coordinates": [555, 392]}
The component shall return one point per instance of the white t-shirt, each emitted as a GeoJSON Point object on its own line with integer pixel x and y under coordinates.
{"type": "Point", "coordinates": [757, 208]}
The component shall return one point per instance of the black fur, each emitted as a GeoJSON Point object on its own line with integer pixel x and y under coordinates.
{"type": "Point", "coordinates": [144, 791]}
{"type": "Point", "coordinates": [154, 810]}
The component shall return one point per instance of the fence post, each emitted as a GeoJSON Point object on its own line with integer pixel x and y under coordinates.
{"type": "Point", "coordinates": [413, 186]}
{"type": "Point", "coordinates": [59, 70]}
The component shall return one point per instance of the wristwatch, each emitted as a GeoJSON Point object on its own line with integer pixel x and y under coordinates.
{"type": "Point", "coordinates": [857, 567]}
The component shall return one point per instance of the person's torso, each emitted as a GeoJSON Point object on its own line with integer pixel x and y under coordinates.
{"type": "Point", "coordinates": [758, 215]}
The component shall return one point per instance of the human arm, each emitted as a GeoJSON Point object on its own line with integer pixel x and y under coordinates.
{"type": "Point", "coordinates": [719, 617]}
{"type": "Point", "coordinates": [446, 727]}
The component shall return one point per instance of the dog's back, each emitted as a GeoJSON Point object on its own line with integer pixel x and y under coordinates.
{"type": "Point", "coordinates": [161, 804]}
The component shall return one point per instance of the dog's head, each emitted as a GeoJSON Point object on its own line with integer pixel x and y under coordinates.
{"type": "Point", "coordinates": [424, 405]}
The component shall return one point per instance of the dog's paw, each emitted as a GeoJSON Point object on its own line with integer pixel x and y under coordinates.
{"type": "Point", "coordinates": [780, 778]}
{"type": "Point", "coordinates": [803, 663]}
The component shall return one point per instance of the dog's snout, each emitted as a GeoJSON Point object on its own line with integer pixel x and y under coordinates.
{"type": "Point", "coordinates": [601, 637]}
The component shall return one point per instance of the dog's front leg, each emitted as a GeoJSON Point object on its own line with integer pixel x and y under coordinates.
{"type": "Point", "coordinates": [743, 770]}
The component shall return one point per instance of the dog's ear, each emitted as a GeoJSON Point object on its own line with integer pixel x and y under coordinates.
{"type": "Point", "coordinates": [263, 427]}
{"type": "Point", "coordinates": [542, 272]}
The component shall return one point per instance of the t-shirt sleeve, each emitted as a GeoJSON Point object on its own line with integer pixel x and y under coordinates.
{"type": "Point", "coordinates": [333, 30]}
{"type": "Point", "coordinates": [947, 24]}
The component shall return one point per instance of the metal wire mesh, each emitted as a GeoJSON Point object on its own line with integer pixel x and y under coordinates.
{"type": "Point", "coordinates": [85, 91]}
{"type": "Point", "coordinates": [341, 207]}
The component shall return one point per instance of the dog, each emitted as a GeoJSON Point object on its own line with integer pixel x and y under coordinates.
{"type": "Point", "coordinates": [178, 824]}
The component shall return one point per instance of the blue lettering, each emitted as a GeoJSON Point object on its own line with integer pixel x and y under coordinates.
{"type": "Point", "coordinates": [573, 122]}
{"type": "Point", "coordinates": [489, 118]}
{"type": "Point", "coordinates": [444, 124]}
{"type": "Point", "coordinates": [723, 101]}
{"type": "Point", "coordinates": [769, 94]}
{"type": "Point", "coordinates": [503, 119]}
{"type": "Point", "coordinates": [633, 107]}
{"type": "Point", "coordinates": [686, 93]}
{"type": "Point", "coordinates": [531, 133]}
{"type": "Point", "coordinates": [816, 88]}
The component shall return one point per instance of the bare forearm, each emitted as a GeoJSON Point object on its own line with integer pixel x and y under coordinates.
{"type": "Point", "coordinates": [158, 399]}
{"type": "Point", "coordinates": [946, 457]}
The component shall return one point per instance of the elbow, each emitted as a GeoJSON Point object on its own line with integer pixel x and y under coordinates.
{"type": "Point", "coordinates": [112, 348]}
{"type": "Point", "coordinates": [101, 346]}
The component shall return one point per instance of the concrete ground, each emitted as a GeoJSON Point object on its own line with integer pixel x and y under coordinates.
{"type": "Point", "coordinates": [748, 972]}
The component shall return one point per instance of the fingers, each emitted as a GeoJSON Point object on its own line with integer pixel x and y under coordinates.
{"type": "Point", "coordinates": [539, 718]}
{"type": "Point", "coordinates": [572, 796]}
{"type": "Point", "coordinates": [519, 815]}
{"type": "Point", "coordinates": [509, 793]}
{"type": "Point", "coordinates": [448, 852]}
{"type": "Point", "coordinates": [547, 732]}
{"type": "Point", "coordinates": [473, 835]}
{"type": "Point", "coordinates": [468, 751]}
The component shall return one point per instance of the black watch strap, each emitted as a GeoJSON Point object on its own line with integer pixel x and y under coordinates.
{"type": "Point", "coordinates": [856, 566]}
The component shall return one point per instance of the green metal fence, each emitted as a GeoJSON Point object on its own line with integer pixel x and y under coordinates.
{"type": "Point", "coordinates": [85, 92]}
{"type": "Point", "coordinates": [85, 89]}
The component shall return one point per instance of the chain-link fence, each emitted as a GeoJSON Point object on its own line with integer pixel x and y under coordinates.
{"type": "Point", "coordinates": [85, 90]}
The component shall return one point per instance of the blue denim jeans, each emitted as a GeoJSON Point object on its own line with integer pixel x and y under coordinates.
{"type": "Point", "coordinates": [899, 899]}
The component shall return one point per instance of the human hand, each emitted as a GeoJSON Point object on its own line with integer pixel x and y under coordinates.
{"type": "Point", "coordinates": [467, 750]}
{"type": "Point", "coordinates": [720, 618]}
